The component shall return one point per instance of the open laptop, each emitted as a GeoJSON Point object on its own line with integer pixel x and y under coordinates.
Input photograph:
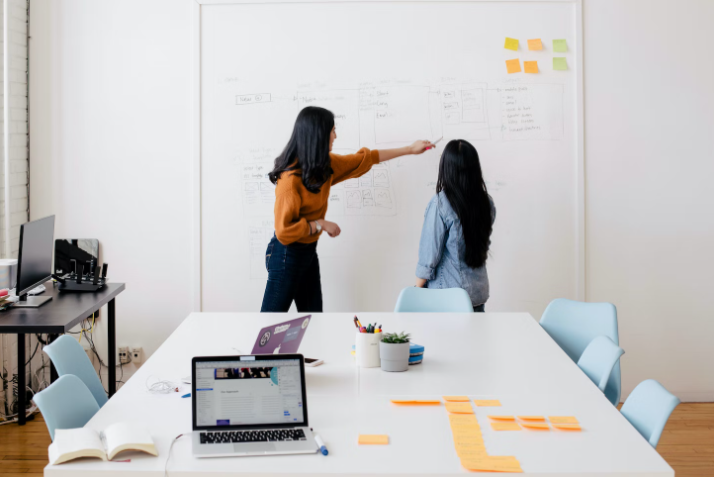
{"type": "Point", "coordinates": [250, 405]}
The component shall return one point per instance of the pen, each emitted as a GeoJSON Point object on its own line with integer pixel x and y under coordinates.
{"type": "Point", "coordinates": [186, 395]}
{"type": "Point", "coordinates": [356, 325]}
{"type": "Point", "coordinates": [358, 322]}
{"type": "Point", "coordinates": [321, 445]}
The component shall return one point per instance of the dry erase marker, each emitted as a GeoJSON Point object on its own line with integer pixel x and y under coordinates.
{"type": "Point", "coordinates": [321, 444]}
{"type": "Point", "coordinates": [433, 144]}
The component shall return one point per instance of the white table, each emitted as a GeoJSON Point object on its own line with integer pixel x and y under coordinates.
{"type": "Point", "coordinates": [504, 356]}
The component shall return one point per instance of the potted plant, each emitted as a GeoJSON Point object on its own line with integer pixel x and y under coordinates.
{"type": "Point", "coordinates": [394, 351]}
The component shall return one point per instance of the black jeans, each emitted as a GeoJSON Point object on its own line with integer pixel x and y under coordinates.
{"type": "Point", "coordinates": [293, 274]}
{"type": "Point", "coordinates": [480, 308]}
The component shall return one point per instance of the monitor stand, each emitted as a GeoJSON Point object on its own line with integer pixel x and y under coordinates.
{"type": "Point", "coordinates": [26, 301]}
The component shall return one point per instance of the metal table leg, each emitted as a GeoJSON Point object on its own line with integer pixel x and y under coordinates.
{"type": "Point", "coordinates": [112, 348]}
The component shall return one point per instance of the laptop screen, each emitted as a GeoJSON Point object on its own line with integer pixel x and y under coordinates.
{"type": "Point", "coordinates": [245, 392]}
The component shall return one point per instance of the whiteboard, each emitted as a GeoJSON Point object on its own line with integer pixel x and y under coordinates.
{"type": "Point", "coordinates": [391, 72]}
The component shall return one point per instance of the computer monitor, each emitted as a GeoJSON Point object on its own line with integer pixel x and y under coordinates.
{"type": "Point", "coordinates": [34, 261]}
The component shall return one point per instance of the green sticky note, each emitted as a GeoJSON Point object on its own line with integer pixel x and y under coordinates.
{"type": "Point", "coordinates": [560, 46]}
{"type": "Point", "coordinates": [560, 64]}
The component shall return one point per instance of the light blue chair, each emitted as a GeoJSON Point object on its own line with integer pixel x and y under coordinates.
{"type": "Point", "coordinates": [69, 357]}
{"type": "Point", "coordinates": [648, 408]}
{"type": "Point", "coordinates": [598, 359]}
{"type": "Point", "coordinates": [66, 404]}
{"type": "Point", "coordinates": [432, 300]}
{"type": "Point", "coordinates": [574, 324]}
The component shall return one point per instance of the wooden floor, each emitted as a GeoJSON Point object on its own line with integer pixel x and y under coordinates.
{"type": "Point", "coordinates": [687, 444]}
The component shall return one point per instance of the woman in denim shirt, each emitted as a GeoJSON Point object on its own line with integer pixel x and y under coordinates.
{"type": "Point", "coordinates": [457, 227]}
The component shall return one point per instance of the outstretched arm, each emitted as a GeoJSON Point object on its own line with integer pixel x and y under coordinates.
{"type": "Point", "coordinates": [417, 148]}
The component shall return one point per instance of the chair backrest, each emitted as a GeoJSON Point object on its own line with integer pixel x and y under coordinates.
{"type": "Point", "coordinates": [413, 299]}
{"type": "Point", "coordinates": [69, 357]}
{"type": "Point", "coordinates": [66, 404]}
{"type": "Point", "coordinates": [648, 408]}
{"type": "Point", "coordinates": [598, 359]}
{"type": "Point", "coordinates": [574, 324]}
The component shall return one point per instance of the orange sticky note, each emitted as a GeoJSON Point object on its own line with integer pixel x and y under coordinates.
{"type": "Point", "coordinates": [462, 420]}
{"type": "Point", "coordinates": [568, 427]}
{"type": "Point", "coordinates": [563, 419]}
{"type": "Point", "coordinates": [459, 407]}
{"type": "Point", "coordinates": [538, 426]}
{"type": "Point", "coordinates": [423, 402]}
{"type": "Point", "coordinates": [456, 398]}
{"type": "Point", "coordinates": [511, 44]}
{"type": "Point", "coordinates": [502, 418]}
{"type": "Point", "coordinates": [488, 465]}
{"type": "Point", "coordinates": [513, 66]}
{"type": "Point", "coordinates": [530, 66]}
{"type": "Point", "coordinates": [531, 418]}
{"type": "Point", "coordinates": [487, 402]}
{"type": "Point", "coordinates": [505, 426]}
{"type": "Point", "coordinates": [535, 44]}
{"type": "Point", "coordinates": [373, 439]}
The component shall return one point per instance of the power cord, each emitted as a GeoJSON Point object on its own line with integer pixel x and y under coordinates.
{"type": "Point", "coordinates": [168, 457]}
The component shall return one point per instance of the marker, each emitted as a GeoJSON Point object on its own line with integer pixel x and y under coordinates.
{"type": "Point", "coordinates": [321, 444]}
{"type": "Point", "coordinates": [356, 325]}
{"type": "Point", "coordinates": [358, 322]}
{"type": "Point", "coordinates": [433, 144]}
{"type": "Point", "coordinates": [186, 395]}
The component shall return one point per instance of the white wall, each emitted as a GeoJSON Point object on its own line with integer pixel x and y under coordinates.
{"type": "Point", "coordinates": [110, 147]}
{"type": "Point", "coordinates": [16, 103]}
{"type": "Point", "coordinates": [110, 107]}
{"type": "Point", "coordinates": [649, 132]}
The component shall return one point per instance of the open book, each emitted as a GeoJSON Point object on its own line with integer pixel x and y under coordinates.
{"type": "Point", "coordinates": [70, 444]}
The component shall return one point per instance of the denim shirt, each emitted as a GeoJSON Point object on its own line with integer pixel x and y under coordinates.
{"type": "Point", "coordinates": [440, 252]}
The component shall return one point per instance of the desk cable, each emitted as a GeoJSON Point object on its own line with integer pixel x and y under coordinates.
{"type": "Point", "coordinates": [168, 457]}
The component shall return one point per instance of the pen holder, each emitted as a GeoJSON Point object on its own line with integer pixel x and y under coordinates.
{"type": "Point", "coordinates": [367, 349]}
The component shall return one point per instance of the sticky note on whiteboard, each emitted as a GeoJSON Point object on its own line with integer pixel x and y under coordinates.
{"type": "Point", "coordinates": [560, 46]}
{"type": "Point", "coordinates": [511, 44]}
{"type": "Point", "coordinates": [535, 45]}
{"type": "Point", "coordinates": [530, 66]}
{"type": "Point", "coordinates": [513, 66]}
{"type": "Point", "coordinates": [560, 64]}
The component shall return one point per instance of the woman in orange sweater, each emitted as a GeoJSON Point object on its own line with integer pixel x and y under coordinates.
{"type": "Point", "coordinates": [303, 174]}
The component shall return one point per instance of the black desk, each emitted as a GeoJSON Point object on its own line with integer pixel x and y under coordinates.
{"type": "Point", "coordinates": [57, 316]}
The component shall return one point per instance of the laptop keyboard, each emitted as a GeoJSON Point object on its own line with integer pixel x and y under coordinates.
{"type": "Point", "coordinates": [226, 437]}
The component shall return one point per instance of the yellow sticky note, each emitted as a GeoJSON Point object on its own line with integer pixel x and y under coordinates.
{"type": "Point", "coordinates": [560, 64]}
{"type": "Point", "coordinates": [530, 66]}
{"type": "Point", "coordinates": [487, 402]}
{"type": "Point", "coordinates": [373, 439]}
{"type": "Point", "coordinates": [459, 407]}
{"type": "Point", "coordinates": [456, 398]}
{"type": "Point", "coordinates": [502, 418]}
{"type": "Point", "coordinates": [535, 44]}
{"type": "Point", "coordinates": [531, 418]}
{"type": "Point", "coordinates": [568, 427]}
{"type": "Point", "coordinates": [560, 46]}
{"type": "Point", "coordinates": [513, 66]}
{"type": "Point", "coordinates": [563, 419]}
{"type": "Point", "coordinates": [511, 44]}
{"type": "Point", "coordinates": [505, 426]}
{"type": "Point", "coordinates": [538, 426]}
{"type": "Point", "coordinates": [423, 402]}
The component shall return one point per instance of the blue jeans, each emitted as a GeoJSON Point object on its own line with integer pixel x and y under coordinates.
{"type": "Point", "coordinates": [293, 274]}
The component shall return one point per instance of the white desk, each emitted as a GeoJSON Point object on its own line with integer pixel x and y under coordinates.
{"type": "Point", "coordinates": [504, 356]}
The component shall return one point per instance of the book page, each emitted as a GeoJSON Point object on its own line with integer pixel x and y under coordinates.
{"type": "Point", "coordinates": [74, 443]}
{"type": "Point", "coordinates": [122, 436]}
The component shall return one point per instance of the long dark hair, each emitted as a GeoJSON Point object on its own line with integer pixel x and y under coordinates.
{"type": "Point", "coordinates": [461, 180]}
{"type": "Point", "coordinates": [309, 144]}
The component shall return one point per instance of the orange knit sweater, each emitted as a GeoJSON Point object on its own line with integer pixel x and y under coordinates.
{"type": "Point", "coordinates": [295, 206]}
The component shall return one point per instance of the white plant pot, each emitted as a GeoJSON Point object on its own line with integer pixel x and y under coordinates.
{"type": "Point", "coordinates": [394, 356]}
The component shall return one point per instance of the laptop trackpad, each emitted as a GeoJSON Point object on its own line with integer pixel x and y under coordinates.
{"type": "Point", "coordinates": [254, 447]}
